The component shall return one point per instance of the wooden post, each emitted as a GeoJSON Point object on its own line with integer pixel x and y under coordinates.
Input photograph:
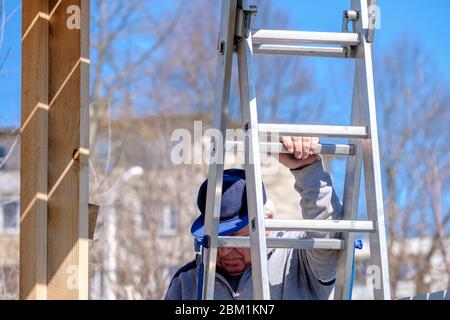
{"type": "Point", "coordinates": [54, 151]}
{"type": "Point", "coordinates": [34, 146]}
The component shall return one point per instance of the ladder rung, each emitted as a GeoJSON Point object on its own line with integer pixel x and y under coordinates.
{"type": "Point", "coordinates": [292, 50]}
{"type": "Point", "coordinates": [284, 36]}
{"type": "Point", "coordinates": [320, 225]}
{"type": "Point", "coordinates": [277, 147]}
{"type": "Point", "coordinates": [286, 243]}
{"type": "Point", "coordinates": [314, 130]}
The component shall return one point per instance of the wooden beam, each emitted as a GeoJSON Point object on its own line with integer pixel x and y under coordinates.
{"type": "Point", "coordinates": [62, 153]}
{"type": "Point", "coordinates": [34, 147]}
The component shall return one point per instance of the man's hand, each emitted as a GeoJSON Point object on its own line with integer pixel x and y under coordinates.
{"type": "Point", "coordinates": [301, 152]}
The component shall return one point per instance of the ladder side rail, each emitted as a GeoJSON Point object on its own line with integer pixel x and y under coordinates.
{"type": "Point", "coordinates": [216, 166]}
{"type": "Point", "coordinates": [350, 203]}
{"type": "Point", "coordinates": [260, 275]}
{"type": "Point", "coordinates": [371, 156]}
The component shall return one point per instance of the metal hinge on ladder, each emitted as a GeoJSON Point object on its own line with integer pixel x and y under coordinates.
{"type": "Point", "coordinates": [244, 21]}
{"type": "Point", "coordinates": [348, 16]}
{"type": "Point", "coordinates": [243, 25]}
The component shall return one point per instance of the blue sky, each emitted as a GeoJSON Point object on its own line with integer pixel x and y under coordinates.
{"type": "Point", "coordinates": [426, 20]}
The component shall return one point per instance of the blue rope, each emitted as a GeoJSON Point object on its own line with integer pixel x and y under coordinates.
{"type": "Point", "coordinates": [358, 245]}
{"type": "Point", "coordinates": [200, 270]}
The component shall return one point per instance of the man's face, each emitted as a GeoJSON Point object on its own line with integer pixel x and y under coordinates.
{"type": "Point", "coordinates": [234, 260]}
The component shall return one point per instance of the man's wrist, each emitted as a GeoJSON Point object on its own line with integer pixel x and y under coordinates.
{"type": "Point", "coordinates": [307, 165]}
{"type": "Point", "coordinates": [303, 166]}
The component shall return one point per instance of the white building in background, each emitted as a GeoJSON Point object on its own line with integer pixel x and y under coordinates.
{"type": "Point", "coordinates": [9, 181]}
{"type": "Point", "coordinates": [415, 249]}
{"type": "Point", "coordinates": [9, 212]}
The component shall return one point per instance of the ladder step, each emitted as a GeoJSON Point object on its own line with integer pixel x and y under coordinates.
{"type": "Point", "coordinates": [314, 130]}
{"type": "Point", "coordinates": [284, 36]}
{"type": "Point", "coordinates": [277, 147]}
{"type": "Point", "coordinates": [320, 225]}
{"type": "Point", "coordinates": [286, 243]}
{"type": "Point", "coordinates": [293, 50]}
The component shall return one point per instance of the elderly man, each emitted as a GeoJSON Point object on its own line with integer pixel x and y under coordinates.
{"type": "Point", "coordinates": [293, 273]}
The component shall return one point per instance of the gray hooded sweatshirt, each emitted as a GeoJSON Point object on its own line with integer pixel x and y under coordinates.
{"type": "Point", "coordinates": [294, 274]}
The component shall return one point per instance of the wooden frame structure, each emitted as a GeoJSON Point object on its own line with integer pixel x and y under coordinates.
{"type": "Point", "coordinates": [54, 149]}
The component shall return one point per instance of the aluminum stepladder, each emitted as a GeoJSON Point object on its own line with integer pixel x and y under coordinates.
{"type": "Point", "coordinates": [363, 148]}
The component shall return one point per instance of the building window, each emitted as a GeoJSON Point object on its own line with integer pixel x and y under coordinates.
{"type": "Point", "coordinates": [11, 216]}
{"type": "Point", "coordinates": [169, 220]}
{"type": "Point", "coordinates": [2, 156]}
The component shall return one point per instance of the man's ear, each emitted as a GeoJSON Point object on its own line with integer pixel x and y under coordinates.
{"type": "Point", "coordinates": [269, 215]}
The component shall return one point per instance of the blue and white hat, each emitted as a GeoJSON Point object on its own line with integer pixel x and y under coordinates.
{"type": "Point", "coordinates": [233, 208]}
